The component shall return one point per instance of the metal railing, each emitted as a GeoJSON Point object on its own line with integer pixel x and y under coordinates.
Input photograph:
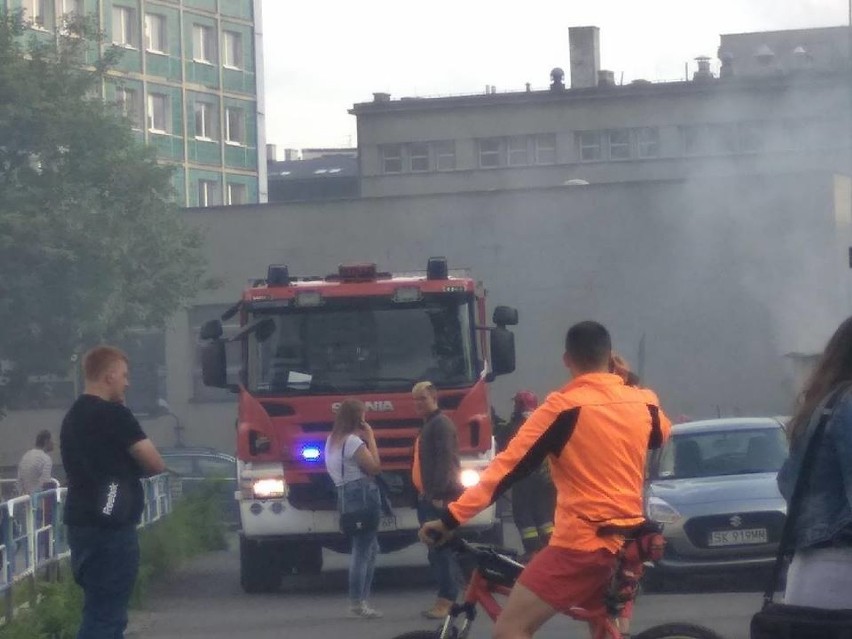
{"type": "Point", "coordinates": [33, 536]}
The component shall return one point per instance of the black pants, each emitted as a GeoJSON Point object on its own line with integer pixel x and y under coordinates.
{"type": "Point", "coordinates": [533, 503]}
{"type": "Point", "coordinates": [104, 562]}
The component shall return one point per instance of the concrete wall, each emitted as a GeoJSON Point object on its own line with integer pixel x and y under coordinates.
{"type": "Point", "coordinates": [721, 276]}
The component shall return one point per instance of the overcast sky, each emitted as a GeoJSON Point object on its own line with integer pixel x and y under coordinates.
{"type": "Point", "coordinates": [323, 57]}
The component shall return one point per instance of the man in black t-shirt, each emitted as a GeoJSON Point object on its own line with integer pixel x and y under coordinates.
{"type": "Point", "coordinates": [105, 453]}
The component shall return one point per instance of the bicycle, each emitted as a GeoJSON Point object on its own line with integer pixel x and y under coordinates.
{"type": "Point", "coordinates": [496, 571]}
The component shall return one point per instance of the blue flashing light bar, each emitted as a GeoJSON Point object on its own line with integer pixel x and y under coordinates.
{"type": "Point", "coordinates": [311, 453]}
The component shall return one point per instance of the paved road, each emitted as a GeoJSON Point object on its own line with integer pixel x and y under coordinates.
{"type": "Point", "coordinates": [204, 600]}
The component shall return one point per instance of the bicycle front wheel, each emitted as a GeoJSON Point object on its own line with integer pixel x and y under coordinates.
{"type": "Point", "coordinates": [677, 631]}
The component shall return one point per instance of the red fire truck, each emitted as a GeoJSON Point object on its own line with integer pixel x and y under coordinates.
{"type": "Point", "coordinates": [308, 343]}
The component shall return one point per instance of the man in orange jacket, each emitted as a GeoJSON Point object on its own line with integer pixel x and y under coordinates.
{"type": "Point", "coordinates": [596, 432]}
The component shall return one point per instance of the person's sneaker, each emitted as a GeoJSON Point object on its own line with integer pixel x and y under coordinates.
{"type": "Point", "coordinates": [440, 610]}
{"type": "Point", "coordinates": [363, 611]}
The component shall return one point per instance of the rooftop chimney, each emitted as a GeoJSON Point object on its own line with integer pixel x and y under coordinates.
{"type": "Point", "coordinates": [584, 45]}
{"type": "Point", "coordinates": [557, 80]}
{"type": "Point", "coordinates": [272, 152]}
{"type": "Point", "coordinates": [704, 72]}
{"type": "Point", "coordinates": [606, 78]}
{"type": "Point", "coordinates": [381, 97]}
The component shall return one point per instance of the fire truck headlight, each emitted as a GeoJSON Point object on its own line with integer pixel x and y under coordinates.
{"type": "Point", "coordinates": [469, 477]}
{"type": "Point", "coordinates": [269, 488]}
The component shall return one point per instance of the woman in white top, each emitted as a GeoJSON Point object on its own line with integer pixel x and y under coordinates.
{"type": "Point", "coordinates": [352, 460]}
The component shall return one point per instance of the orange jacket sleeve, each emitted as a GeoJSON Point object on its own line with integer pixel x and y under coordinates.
{"type": "Point", "coordinates": [546, 431]}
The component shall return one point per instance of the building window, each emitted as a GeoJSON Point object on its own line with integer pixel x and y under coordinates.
{"type": "Point", "coordinates": [40, 13]}
{"type": "Point", "coordinates": [619, 144]}
{"type": "Point", "coordinates": [694, 139]}
{"type": "Point", "coordinates": [725, 138]}
{"type": "Point", "coordinates": [392, 158]}
{"type": "Point", "coordinates": [158, 113]}
{"type": "Point", "coordinates": [545, 148]}
{"type": "Point", "coordinates": [233, 352]}
{"type": "Point", "coordinates": [208, 193]}
{"type": "Point", "coordinates": [232, 53]}
{"type": "Point", "coordinates": [590, 145]}
{"type": "Point", "coordinates": [205, 121]}
{"type": "Point", "coordinates": [203, 49]}
{"type": "Point", "coordinates": [517, 152]}
{"type": "Point", "coordinates": [237, 193]}
{"type": "Point", "coordinates": [124, 26]}
{"type": "Point", "coordinates": [648, 142]}
{"type": "Point", "coordinates": [130, 105]}
{"type": "Point", "coordinates": [156, 36]}
{"type": "Point", "coordinates": [418, 156]}
{"type": "Point", "coordinates": [445, 155]}
{"type": "Point", "coordinates": [235, 126]}
{"type": "Point", "coordinates": [490, 153]}
{"type": "Point", "coordinates": [73, 7]}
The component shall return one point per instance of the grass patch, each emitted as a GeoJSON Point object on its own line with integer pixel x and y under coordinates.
{"type": "Point", "coordinates": [195, 526]}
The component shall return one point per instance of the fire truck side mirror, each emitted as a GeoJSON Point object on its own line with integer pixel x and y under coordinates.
{"type": "Point", "coordinates": [502, 351]}
{"type": "Point", "coordinates": [214, 371]}
{"type": "Point", "coordinates": [505, 316]}
{"type": "Point", "coordinates": [211, 329]}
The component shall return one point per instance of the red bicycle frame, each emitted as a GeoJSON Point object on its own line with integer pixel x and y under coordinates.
{"type": "Point", "coordinates": [480, 591]}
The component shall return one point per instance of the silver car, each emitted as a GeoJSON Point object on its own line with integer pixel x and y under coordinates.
{"type": "Point", "coordinates": [713, 488]}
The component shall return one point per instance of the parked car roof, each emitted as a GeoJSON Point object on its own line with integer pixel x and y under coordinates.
{"type": "Point", "coordinates": [726, 423]}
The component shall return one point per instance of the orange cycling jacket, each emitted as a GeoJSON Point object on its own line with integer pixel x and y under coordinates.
{"type": "Point", "coordinates": [596, 431]}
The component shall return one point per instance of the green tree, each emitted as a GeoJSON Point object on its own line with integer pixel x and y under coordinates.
{"type": "Point", "coordinates": [91, 240]}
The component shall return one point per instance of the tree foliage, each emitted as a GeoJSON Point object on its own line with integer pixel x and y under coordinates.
{"type": "Point", "coordinates": [91, 240]}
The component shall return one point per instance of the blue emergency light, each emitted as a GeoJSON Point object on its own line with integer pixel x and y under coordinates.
{"type": "Point", "coordinates": [311, 453]}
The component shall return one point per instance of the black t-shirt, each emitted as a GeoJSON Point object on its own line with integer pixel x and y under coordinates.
{"type": "Point", "coordinates": [94, 442]}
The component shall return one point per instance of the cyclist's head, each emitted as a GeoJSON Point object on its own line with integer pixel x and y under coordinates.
{"type": "Point", "coordinates": [525, 400]}
{"type": "Point", "coordinates": [588, 348]}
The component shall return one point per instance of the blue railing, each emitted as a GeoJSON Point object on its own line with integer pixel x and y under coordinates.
{"type": "Point", "coordinates": [32, 534]}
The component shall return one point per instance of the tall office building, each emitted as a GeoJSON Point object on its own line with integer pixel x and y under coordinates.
{"type": "Point", "coordinates": [190, 80]}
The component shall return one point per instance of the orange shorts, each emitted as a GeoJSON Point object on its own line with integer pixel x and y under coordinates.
{"type": "Point", "coordinates": [569, 580]}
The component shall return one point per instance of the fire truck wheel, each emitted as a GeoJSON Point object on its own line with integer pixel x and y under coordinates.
{"type": "Point", "coordinates": [259, 566]}
{"type": "Point", "coordinates": [309, 559]}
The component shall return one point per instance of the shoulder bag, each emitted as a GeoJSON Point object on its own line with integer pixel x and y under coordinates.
{"type": "Point", "coordinates": [359, 513]}
{"type": "Point", "coordinates": [783, 621]}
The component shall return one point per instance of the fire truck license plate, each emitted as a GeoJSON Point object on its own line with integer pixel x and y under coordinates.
{"type": "Point", "coordinates": [387, 523]}
{"type": "Point", "coordinates": [738, 537]}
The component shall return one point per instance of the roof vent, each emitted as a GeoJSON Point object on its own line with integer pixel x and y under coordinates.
{"type": "Point", "coordinates": [557, 79]}
{"type": "Point", "coordinates": [765, 56]}
{"type": "Point", "coordinates": [606, 78]}
{"type": "Point", "coordinates": [381, 97]}
{"type": "Point", "coordinates": [704, 72]}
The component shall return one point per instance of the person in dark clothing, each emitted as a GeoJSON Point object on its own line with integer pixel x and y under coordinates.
{"type": "Point", "coordinates": [105, 453]}
{"type": "Point", "coordinates": [534, 497]}
{"type": "Point", "coordinates": [436, 475]}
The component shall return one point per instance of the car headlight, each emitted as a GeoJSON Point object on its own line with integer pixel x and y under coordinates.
{"type": "Point", "coordinates": [469, 477]}
{"type": "Point", "coordinates": [662, 511]}
{"type": "Point", "coordinates": [269, 488]}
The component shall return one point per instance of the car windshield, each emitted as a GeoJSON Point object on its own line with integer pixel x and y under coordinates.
{"type": "Point", "coordinates": [350, 345]}
{"type": "Point", "coordinates": [730, 452]}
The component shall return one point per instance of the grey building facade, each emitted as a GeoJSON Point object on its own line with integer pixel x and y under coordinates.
{"type": "Point", "coordinates": [708, 221]}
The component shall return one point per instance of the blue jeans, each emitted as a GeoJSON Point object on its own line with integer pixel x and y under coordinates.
{"type": "Point", "coordinates": [362, 565]}
{"type": "Point", "coordinates": [104, 562]}
{"type": "Point", "coordinates": [442, 561]}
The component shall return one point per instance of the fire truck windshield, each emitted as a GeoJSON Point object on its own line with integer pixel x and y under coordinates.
{"type": "Point", "coordinates": [349, 345]}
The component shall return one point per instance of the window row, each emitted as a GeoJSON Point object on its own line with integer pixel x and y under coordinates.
{"type": "Point", "coordinates": [210, 193]}
{"type": "Point", "coordinates": [419, 157]}
{"type": "Point", "coordinates": [618, 144]}
{"type": "Point", "coordinates": [156, 34]}
{"type": "Point", "coordinates": [521, 150]}
{"type": "Point", "coordinates": [159, 116]}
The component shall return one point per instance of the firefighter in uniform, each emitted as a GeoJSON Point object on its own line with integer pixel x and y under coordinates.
{"type": "Point", "coordinates": [534, 497]}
